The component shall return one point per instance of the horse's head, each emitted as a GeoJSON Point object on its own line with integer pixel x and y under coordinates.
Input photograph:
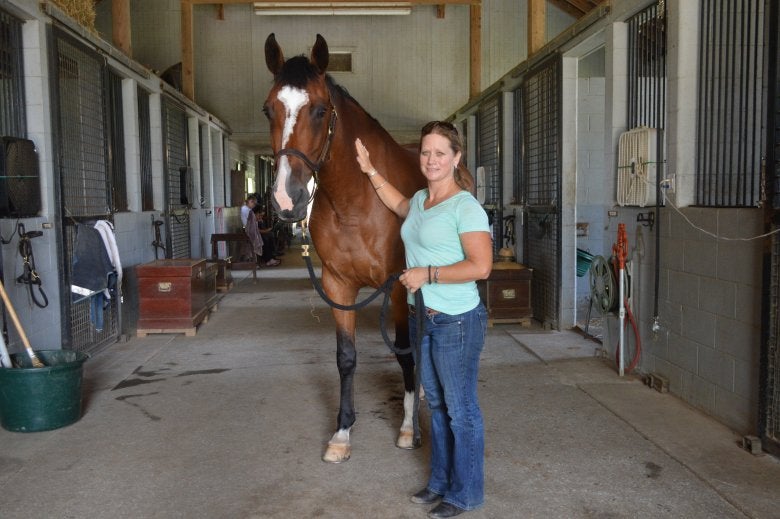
{"type": "Point", "coordinates": [302, 116]}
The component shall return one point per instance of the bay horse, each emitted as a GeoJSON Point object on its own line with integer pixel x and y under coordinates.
{"type": "Point", "coordinates": [314, 123]}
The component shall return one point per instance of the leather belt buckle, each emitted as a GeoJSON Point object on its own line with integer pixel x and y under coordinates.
{"type": "Point", "coordinates": [428, 311]}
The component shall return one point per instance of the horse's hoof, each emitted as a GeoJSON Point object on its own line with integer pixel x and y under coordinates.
{"type": "Point", "coordinates": [406, 440]}
{"type": "Point", "coordinates": [337, 453]}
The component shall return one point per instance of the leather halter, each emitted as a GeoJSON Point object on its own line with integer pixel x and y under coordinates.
{"type": "Point", "coordinates": [314, 167]}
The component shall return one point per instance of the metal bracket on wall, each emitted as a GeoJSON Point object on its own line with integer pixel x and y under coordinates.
{"type": "Point", "coordinates": [646, 219]}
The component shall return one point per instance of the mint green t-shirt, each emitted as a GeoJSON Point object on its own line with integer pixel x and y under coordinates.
{"type": "Point", "coordinates": [432, 237]}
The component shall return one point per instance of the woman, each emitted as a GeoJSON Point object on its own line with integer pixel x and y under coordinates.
{"type": "Point", "coordinates": [448, 247]}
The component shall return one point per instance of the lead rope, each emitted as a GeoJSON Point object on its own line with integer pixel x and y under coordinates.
{"type": "Point", "coordinates": [419, 316]}
{"type": "Point", "coordinates": [387, 286]}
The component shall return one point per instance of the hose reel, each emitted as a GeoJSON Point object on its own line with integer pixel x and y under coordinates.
{"type": "Point", "coordinates": [602, 285]}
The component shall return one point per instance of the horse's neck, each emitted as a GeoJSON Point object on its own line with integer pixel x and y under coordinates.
{"type": "Point", "coordinates": [342, 172]}
{"type": "Point", "coordinates": [342, 183]}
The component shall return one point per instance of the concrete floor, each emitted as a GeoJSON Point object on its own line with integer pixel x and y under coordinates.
{"type": "Point", "coordinates": [231, 423]}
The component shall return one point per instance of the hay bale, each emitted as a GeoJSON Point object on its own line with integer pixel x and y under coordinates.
{"type": "Point", "coordinates": [83, 11]}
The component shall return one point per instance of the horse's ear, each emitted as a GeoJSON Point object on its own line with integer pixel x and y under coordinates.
{"type": "Point", "coordinates": [319, 54]}
{"type": "Point", "coordinates": [274, 59]}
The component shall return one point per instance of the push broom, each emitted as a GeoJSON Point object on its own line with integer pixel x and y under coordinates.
{"type": "Point", "coordinates": [36, 362]}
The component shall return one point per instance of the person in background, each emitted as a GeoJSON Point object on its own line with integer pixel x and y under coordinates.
{"type": "Point", "coordinates": [250, 227]}
{"type": "Point", "coordinates": [448, 248]}
{"type": "Point", "coordinates": [249, 205]}
{"type": "Point", "coordinates": [269, 257]}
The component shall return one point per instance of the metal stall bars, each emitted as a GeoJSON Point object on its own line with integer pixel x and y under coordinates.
{"type": "Point", "coordinates": [731, 78]}
{"type": "Point", "coordinates": [145, 150]}
{"type": "Point", "coordinates": [488, 156]}
{"type": "Point", "coordinates": [12, 120]}
{"type": "Point", "coordinates": [541, 98]}
{"type": "Point", "coordinates": [84, 186]}
{"type": "Point", "coordinates": [769, 387]}
{"type": "Point", "coordinates": [647, 68]}
{"type": "Point", "coordinates": [178, 176]}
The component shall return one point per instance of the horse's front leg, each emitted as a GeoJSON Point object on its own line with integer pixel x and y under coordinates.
{"type": "Point", "coordinates": [339, 447]}
{"type": "Point", "coordinates": [406, 436]}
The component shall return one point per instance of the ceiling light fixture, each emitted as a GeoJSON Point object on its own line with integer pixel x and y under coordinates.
{"type": "Point", "coordinates": [332, 8]}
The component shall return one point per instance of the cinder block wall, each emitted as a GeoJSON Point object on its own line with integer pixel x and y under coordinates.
{"type": "Point", "coordinates": [710, 312]}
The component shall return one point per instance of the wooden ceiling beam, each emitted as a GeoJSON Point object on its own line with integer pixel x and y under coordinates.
{"type": "Point", "coordinates": [475, 51]}
{"type": "Point", "coordinates": [187, 51]}
{"type": "Point", "coordinates": [537, 25]}
{"type": "Point", "coordinates": [120, 26]}
{"type": "Point", "coordinates": [575, 8]}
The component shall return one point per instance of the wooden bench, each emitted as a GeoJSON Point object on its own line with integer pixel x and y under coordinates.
{"type": "Point", "coordinates": [224, 277]}
{"type": "Point", "coordinates": [243, 240]}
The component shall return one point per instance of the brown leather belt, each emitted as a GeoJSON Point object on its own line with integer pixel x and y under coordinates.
{"type": "Point", "coordinates": [428, 311]}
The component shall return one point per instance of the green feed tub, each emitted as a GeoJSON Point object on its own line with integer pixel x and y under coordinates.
{"type": "Point", "coordinates": [41, 399]}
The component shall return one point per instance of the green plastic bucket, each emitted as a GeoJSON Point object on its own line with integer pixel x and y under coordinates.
{"type": "Point", "coordinates": [41, 399]}
{"type": "Point", "coordinates": [584, 259]}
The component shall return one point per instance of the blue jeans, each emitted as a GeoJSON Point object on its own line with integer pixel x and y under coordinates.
{"type": "Point", "coordinates": [450, 350]}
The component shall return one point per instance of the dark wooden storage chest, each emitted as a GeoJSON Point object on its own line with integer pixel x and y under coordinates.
{"type": "Point", "coordinates": [175, 295]}
{"type": "Point", "coordinates": [507, 293]}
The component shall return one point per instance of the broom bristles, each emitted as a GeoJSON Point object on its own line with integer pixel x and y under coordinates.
{"type": "Point", "coordinates": [36, 362]}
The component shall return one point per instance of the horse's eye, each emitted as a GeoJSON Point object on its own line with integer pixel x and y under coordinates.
{"type": "Point", "coordinates": [320, 112]}
{"type": "Point", "coordinates": [267, 111]}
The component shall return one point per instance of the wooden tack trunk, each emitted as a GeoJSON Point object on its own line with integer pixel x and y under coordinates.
{"type": "Point", "coordinates": [210, 285]}
{"type": "Point", "coordinates": [175, 295]}
{"type": "Point", "coordinates": [507, 293]}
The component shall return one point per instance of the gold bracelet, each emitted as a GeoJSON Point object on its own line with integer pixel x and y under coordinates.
{"type": "Point", "coordinates": [380, 186]}
{"type": "Point", "coordinates": [371, 173]}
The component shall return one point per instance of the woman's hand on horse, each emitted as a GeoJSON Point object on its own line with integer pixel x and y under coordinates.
{"type": "Point", "coordinates": [414, 278]}
{"type": "Point", "coordinates": [362, 158]}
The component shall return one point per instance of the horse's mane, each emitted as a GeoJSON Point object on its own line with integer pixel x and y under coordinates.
{"type": "Point", "coordinates": [344, 93]}
{"type": "Point", "coordinates": [299, 70]}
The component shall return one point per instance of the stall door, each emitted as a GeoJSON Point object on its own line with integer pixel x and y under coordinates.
{"type": "Point", "coordinates": [488, 157]}
{"type": "Point", "coordinates": [83, 122]}
{"type": "Point", "coordinates": [542, 168]}
{"type": "Point", "coordinates": [178, 179]}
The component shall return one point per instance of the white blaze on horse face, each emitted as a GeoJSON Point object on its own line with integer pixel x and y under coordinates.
{"type": "Point", "coordinates": [293, 100]}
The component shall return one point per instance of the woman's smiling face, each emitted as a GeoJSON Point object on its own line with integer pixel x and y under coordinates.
{"type": "Point", "coordinates": [437, 159]}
